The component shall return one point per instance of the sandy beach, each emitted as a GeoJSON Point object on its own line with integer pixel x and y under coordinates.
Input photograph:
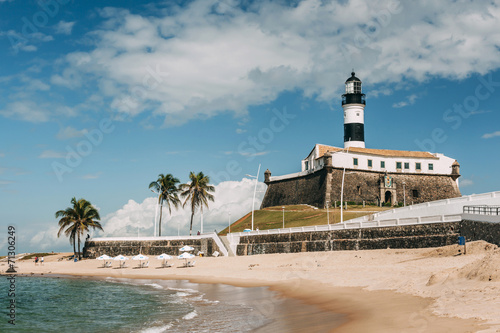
{"type": "Point", "coordinates": [393, 290]}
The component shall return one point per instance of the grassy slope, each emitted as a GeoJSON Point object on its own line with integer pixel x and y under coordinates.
{"type": "Point", "coordinates": [296, 216]}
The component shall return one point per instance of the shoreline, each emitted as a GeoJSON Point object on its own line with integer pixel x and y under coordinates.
{"type": "Point", "coordinates": [361, 285]}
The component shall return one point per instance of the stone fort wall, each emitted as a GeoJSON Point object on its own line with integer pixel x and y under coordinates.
{"type": "Point", "coordinates": [359, 185]}
{"type": "Point", "coordinates": [365, 185]}
{"type": "Point", "coordinates": [309, 189]}
{"type": "Point", "coordinates": [113, 248]}
{"type": "Point", "coordinates": [400, 237]}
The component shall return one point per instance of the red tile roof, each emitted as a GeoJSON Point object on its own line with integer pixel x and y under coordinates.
{"type": "Point", "coordinates": [323, 149]}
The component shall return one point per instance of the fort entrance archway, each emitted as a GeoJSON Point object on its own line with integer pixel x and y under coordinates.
{"type": "Point", "coordinates": [388, 195]}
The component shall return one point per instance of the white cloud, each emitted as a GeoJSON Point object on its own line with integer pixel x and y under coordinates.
{"type": "Point", "coordinates": [5, 182]}
{"type": "Point", "coordinates": [231, 196]}
{"type": "Point", "coordinates": [466, 182]}
{"type": "Point", "coordinates": [206, 63]}
{"type": "Point", "coordinates": [491, 135]}
{"type": "Point", "coordinates": [24, 42]}
{"type": "Point", "coordinates": [92, 175]}
{"type": "Point", "coordinates": [69, 78]}
{"type": "Point", "coordinates": [47, 240]}
{"type": "Point", "coordinates": [260, 153]}
{"type": "Point", "coordinates": [70, 133]}
{"type": "Point", "coordinates": [51, 154]}
{"type": "Point", "coordinates": [240, 131]}
{"type": "Point", "coordinates": [64, 28]}
{"type": "Point", "coordinates": [25, 110]}
{"type": "Point", "coordinates": [37, 85]}
{"type": "Point", "coordinates": [410, 100]}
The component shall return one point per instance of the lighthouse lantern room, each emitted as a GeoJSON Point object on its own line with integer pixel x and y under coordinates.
{"type": "Point", "coordinates": [353, 103]}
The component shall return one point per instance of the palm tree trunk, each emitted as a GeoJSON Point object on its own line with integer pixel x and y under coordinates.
{"type": "Point", "coordinates": [79, 254]}
{"type": "Point", "coordinates": [159, 225]}
{"type": "Point", "coordinates": [191, 225]}
{"type": "Point", "coordinates": [74, 247]}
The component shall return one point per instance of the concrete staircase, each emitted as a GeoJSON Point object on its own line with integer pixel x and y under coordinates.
{"type": "Point", "coordinates": [225, 241]}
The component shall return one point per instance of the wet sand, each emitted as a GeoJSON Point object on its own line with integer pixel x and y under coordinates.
{"type": "Point", "coordinates": [423, 290]}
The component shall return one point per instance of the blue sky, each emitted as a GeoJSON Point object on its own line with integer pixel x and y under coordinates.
{"type": "Point", "coordinates": [138, 88]}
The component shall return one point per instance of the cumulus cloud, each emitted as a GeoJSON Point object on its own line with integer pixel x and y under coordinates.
{"type": "Point", "coordinates": [47, 240]}
{"type": "Point", "coordinates": [92, 175]}
{"type": "Point", "coordinates": [466, 182]}
{"type": "Point", "coordinates": [231, 196]}
{"type": "Point", "coordinates": [70, 133]}
{"type": "Point", "coordinates": [64, 28]}
{"type": "Point", "coordinates": [491, 135]}
{"type": "Point", "coordinates": [25, 42]}
{"type": "Point", "coordinates": [209, 57]}
{"type": "Point", "coordinates": [4, 182]}
{"type": "Point", "coordinates": [409, 100]}
{"type": "Point", "coordinates": [51, 154]}
{"type": "Point", "coordinates": [25, 110]}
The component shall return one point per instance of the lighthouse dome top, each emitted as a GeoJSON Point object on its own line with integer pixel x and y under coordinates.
{"type": "Point", "coordinates": [353, 85]}
{"type": "Point", "coordinates": [353, 78]}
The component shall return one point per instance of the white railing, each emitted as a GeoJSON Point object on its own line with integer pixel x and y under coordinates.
{"type": "Point", "coordinates": [294, 175]}
{"type": "Point", "coordinates": [387, 218]}
{"type": "Point", "coordinates": [234, 238]}
{"type": "Point", "coordinates": [487, 198]}
{"type": "Point", "coordinates": [212, 235]}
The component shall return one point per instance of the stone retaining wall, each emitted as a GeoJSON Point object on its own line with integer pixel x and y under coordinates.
{"type": "Point", "coordinates": [94, 249]}
{"type": "Point", "coordinates": [412, 236]}
{"type": "Point", "coordinates": [487, 231]}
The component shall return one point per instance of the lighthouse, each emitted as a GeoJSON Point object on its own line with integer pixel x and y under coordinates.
{"type": "Point", "coordinates": [353, 103]}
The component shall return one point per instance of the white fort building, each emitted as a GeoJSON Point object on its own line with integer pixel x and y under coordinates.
{"type": "Point", "coordinates": [370, 175]}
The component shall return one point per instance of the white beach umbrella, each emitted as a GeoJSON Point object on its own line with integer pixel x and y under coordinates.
{"type": "Point", "coordinates": [186, 248]}
{"type": "Point", "coordinates": [140, 257]}
{"type": "Point", "coordinates": [104, 257]}
{"type": "Point", "coordinates": [120, 258]}
{"type": "Point", "coordinates": [186, 256]}
{"type": "Point", "coordinates": [165, 257]}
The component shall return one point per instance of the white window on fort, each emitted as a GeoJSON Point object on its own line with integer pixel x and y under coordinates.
{"type": "Point", "coordinates": [398, 165]}
{"type": "Point", "coordinates": [355, 161]}
{"type": "Point", "coordinates": [382, 164]}
{"type": "Point", "coordinates": [431, 166]}
{"type": "Point", "coordinates": [306, 165]}
{"type": "Point", "coordinates": [370, 163]}
{"type": "Point", "coordinates": [418, 166]}
{"type": "Point", "coordinates": [407, 166]}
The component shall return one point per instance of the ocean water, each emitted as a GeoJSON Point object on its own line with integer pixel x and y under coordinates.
{"type": "Point", "coordinates": [61, 304]}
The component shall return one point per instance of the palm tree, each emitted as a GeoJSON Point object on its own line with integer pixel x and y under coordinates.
{"type": "Point", "coordinates": [166, 186]}
{"type": "Point", "coordinates": [198, 193]}
{"type": "Point", "coordinates": [76, 220]}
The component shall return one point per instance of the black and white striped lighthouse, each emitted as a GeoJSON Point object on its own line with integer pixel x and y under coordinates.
{"type": "Point", "coordinates": [353, 103]}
